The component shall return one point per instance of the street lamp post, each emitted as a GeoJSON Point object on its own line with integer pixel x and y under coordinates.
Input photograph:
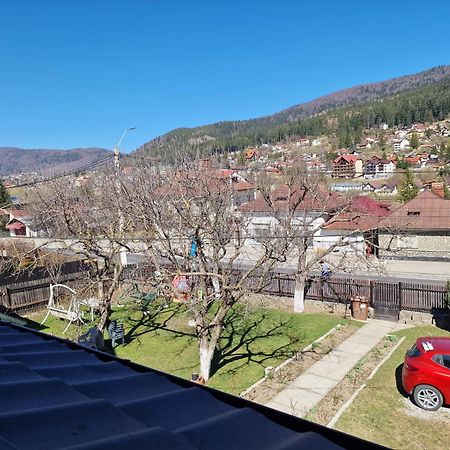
{"type": "Point", "coordinates": [117, 147]}
{"type": "Point", "coordinates": [122, 250]}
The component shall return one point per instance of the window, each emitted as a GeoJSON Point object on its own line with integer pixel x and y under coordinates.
{"type": "Point", "coordinates": [413, 352]}
{"type": "Point", "coordinates": [442, 360]}
{"type": "Point", "coordinates": [413, 213]}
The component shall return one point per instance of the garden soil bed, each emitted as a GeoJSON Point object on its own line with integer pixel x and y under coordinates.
{"type": "Point", "coordinates": [280, 379]}
{"type": "Point", "coordinates": [327, 408]}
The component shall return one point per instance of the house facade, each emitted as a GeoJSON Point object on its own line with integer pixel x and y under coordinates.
{"type": "Point", "coordinates": [18, 222]}
{"type": "Point", "coordinates": [419, 229]}
{"type": "Point", "coordinates": [378, 168]}
{"type": "Point", "coordinates": [347, 166]}
{"type": "Point", "coordinates": [261, 218]}
{"type": "Point", "coordinates": [353, 231]}
{"type": "Point", "coordinates": [400, 144]}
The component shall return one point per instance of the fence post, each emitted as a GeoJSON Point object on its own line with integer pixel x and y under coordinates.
{"type": "Point", "coordinates": [279, 285]}
{"type": "Point", "coordinates": [8, 298]}
{"type": "Point", "coordinates": [4, 296]}
{"type": "Point", "coordinates": [371, 282]}
{"type": "Point", "coordinates": [400, 296]}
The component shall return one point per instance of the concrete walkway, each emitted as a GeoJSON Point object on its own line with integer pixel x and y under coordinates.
{"type": "Point", "coordinates": [316, 382]}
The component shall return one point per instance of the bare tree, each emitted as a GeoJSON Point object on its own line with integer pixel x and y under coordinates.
{"type": "Point", "coordinates": [293, 211]}
{"type": "Point", "coordinates": [193, 242]}
{"type": "Point", "coordinates": [195, 238]}
{"type": "Point", "coordinates": [85, 221]}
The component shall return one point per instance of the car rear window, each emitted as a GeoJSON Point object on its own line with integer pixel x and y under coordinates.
{"type": "Point", "coordinates": [413, 351]}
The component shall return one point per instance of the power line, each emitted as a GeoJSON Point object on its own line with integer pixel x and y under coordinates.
{"type": "Point", "coordinates": [86, 167]}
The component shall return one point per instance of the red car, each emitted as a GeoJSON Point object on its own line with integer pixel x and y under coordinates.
{"type": "Point", "coordinates": [426, 372]}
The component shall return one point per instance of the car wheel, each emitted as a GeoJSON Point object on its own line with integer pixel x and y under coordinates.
{"type": "Point", "coordinates": [428, 397]}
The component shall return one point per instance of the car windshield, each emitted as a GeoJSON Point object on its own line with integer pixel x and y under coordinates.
{"type": "Point", "coordinates": [413, 351]}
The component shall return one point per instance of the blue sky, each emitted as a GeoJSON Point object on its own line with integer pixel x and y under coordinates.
{"type": "Point", "coordinates": [76, 73]}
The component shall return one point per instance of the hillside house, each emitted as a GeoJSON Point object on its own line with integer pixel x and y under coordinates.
{"type": "Point", "coordinates": [16, 219]}
{"type": "Point", "coordinates": [400, 144]}
{"type": "Point", "coordinates": [419, 128]}
{"type": "Point", "coordinates": [415, 161]}
{"type": "Point", "coordinates": [347, 166]}
{"type": "Point", "coordinates": [364, 145]}
{"type": "Point", "coordinates": [19, 223]}
{"type": "Point", "coordinates": [303, 142]}
{"type": "Point", "coordinates": [347, 187]}
{"type": "Point", "coordinates": [382, 188]}
{"type": "Point", "coordinates": [250, 154]}
{"type": "Point", "coordinates": [378, 168]}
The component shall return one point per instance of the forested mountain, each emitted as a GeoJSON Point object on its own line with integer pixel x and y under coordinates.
{"type": "Point", "coordinates": [421, 105]}
{"type": "Point", "coordinates": [396, 101]}
{"type": "Point", "coordinates": [47, 162]}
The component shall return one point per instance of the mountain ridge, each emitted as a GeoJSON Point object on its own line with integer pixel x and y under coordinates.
{"type": "Point", "coordinates": [47, 162]}
{"type": "Point", "coordinates": [230, 131]}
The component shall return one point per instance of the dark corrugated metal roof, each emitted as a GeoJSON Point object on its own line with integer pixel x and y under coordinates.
{"type": "Point", "coordinates": [56, 394]}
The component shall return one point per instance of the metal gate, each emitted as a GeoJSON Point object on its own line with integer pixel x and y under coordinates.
{"type": "Point", "coordinates": [386, 300]}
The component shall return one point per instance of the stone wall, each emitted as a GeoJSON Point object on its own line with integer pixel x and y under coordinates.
{"type": "Point", "coordinates": [335, 308]}
{"type": "Point", "coordinates": [415, 245]}
{"type": "Point", "coordinates": [416, 318]}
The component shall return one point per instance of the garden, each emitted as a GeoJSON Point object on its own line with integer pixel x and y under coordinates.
{"type": "Point", "coordinates": [162, 337]}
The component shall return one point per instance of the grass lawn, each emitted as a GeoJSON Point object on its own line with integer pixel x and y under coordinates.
{"type": "Point", "coordinates": [381, 414]}
{"type": "Point", "coordinates": [253, 339]}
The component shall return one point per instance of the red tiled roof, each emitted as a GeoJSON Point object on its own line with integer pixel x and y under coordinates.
{"type": "Point", "coordinates": [322, 200]}
{"type": "Point", "coordinates": [349, 158]}
{"type": "Point", "coordinates": [428, 211]}
{"type": "Point", "coordinates": [413, 159]}
{"type": "Point", "coordinates": [364, 214]}
{"type": "Point", "coordinates": [242, 186]}
{"type": "Point", "coordinates": [15, 225]}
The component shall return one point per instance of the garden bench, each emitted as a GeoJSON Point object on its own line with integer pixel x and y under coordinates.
{"type": "Point", "coordinates": [72, 314]}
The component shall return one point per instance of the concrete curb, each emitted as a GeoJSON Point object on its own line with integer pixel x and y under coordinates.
{"type": "Point", "coordinates": [288, 361]}
{"type": "Point", "coordinates": [344, 407]}
{"type": "Point", "coordinates": [377, 367]}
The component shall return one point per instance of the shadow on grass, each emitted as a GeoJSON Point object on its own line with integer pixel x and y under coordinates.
{"type": "Point", "coordinates": [8, 316]}
{"type": "Point", "coordinates": [243, 342]}
{"type": "Point", "coordinates": [398, 381]}
{"type": "Point", "coordinates": [238, 343]}
{"type": "Point", "coordinates": [151, 319]}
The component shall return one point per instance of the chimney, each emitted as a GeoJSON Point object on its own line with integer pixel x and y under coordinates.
{"type": "Point", "coordinates": [438, 188]}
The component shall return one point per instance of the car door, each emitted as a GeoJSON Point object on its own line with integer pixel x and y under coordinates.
{"type": "Point", "coordinates": [441, 375]}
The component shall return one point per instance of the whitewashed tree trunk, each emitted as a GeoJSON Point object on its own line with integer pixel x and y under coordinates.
{"type": "Point", "coordinates": [300, 278]}
{"type": "Point", "coordinates": [299, 294]}
{"type": "Point", "coordinates": [206, 351]}
{"type": "Point", "coordinates": [216, 286]}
